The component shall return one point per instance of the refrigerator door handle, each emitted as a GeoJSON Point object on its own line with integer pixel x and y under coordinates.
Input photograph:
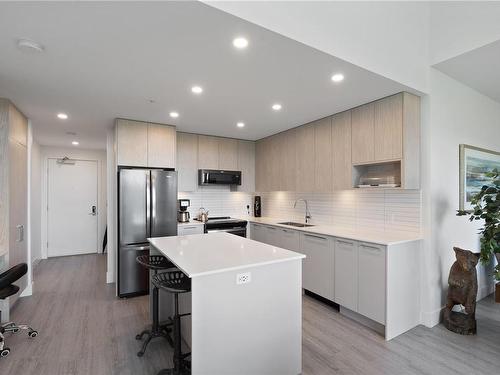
{"type": "Point", "coordinates": [153, 201]}
{"type": "Point", "coordinates": [148, 204]}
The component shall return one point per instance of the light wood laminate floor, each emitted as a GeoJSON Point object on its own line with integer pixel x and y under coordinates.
{"type": "Point", "coordinates": [85, 329]}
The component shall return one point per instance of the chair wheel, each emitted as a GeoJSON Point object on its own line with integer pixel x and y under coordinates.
{"type": "Point", "coordinates": [15, 330]}
{"type": "Point", "coordinates": [138, 337]}
{"type": "Point", "coordinates": [5, 352]}
{"type": "Point", "coordinates": [33, 334]}
{"type": "Point", "coordinates": [140, 354]}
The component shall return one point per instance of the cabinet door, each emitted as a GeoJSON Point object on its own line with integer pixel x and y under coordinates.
{"type": "Point", "coordinates": [389, 128]}
{"type": "Point", "coordinates": [346, 273]}
{"type": "Point", "coordinates": [18, 125]}
{"type": "Point", "coordinates": [258, 233]}
{"type": "Point", "coordinates": [371, 284]}
{"type": "Point", "coordinates": [305, 158]}
{"type": "Point", "coordinates": [272, 235]}
{"type": "Point", "coordinates": [289, 171]}
{"type": "Point", "coordinates": [18, 209]}
{"type": "Point", "coordinates": [228, 154]}
{"type": "Point", "coordinates": [341, 151]}
{"type": "Point", "coordinates": [187, 161]}
{"type": "Point", "coordinates": [323, 155]}
{"type": "Point", "coordinates": [131, 143]}
{"type": "Point", "coordinates": [288, 239]}
{"type": "Point", "coordinates": [259, 166]}
{"type": "Point", "coordinates": [185, 230]}
{"type": "Point", "coordinates": [363, 133]}
{"type": "Point", "coordinates": [208, 152]}
{"type": "Point", "coordinates": [162, 142]}
{"type": "Point", "coordinates": [274, 158]}
{"type": "Point", "coordinates": [319, 264]}
{"type": "Point", "coordinates": [246, 164]}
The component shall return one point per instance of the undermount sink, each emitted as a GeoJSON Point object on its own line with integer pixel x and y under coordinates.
{"type": "Point", "coordinates": [294, 224]}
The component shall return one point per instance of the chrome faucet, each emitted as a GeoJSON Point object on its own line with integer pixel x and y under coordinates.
{"type": "Point", "coordinates": [308, 214]}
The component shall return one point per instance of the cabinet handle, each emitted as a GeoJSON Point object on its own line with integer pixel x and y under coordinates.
{"type": "Point", "coordinates": [316, 237]}
{"type": "Point", "coordinates": [273, 228]}
{"type": "Point", "coordinates": [346, 242]}
{"type": "Point", "coordinates": [189, 228]}
{"type": "Point", "coordinates": [372, 248]}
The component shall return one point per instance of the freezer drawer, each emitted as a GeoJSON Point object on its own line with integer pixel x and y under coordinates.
{"type": "Point", "coordinates": [133, 279]}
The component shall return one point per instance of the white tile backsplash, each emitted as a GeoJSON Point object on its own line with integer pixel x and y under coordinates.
{"type": "Point", "coordinates": [378, 210]}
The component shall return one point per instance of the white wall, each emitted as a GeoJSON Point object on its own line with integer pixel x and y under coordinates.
{"type": "Point", "coordinates": [75, 153]}
{"type": "Point", "coordinates": [388, 38]}
{"type": "Point", "coordinates": [453, 114]}
{"type": "Point", "coordinates": [111, 213]}
{"type": "Point", "coordinates": [458, 27]}
{"type": "Point", "coordinates": [36, 203]}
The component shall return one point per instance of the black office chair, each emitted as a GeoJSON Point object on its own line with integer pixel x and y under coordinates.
{"type": "Point", "coordinates": [7, 289]}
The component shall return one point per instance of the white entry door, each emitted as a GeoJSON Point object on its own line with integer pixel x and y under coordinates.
{"type": "Point", "coordinates": [72, 207]}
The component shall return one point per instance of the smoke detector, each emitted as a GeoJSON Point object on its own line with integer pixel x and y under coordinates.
{"type": "Point", "coordinates": [29, 45]}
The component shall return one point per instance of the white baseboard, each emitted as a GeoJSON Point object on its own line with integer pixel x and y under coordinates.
{"type": "Point", "coordinates": [35, 262]}
{"type": "Point", "coordinates": [110, 277]}
{"type": "Point", "coordinates": [28, 291]}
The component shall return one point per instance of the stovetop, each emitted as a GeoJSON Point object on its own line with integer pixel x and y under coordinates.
{"type": "Point", "coordinates": [223, 221]}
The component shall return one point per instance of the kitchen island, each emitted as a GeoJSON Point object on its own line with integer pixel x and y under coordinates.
{"type": "Point", "coordinates": [245, 303]}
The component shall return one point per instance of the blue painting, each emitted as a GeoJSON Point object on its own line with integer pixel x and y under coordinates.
{"type": "Point", "coordinates": [475, 163]}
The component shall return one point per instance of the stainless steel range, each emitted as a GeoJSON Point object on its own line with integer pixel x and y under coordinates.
{"type": "Point", "coordinates": [226, 224]}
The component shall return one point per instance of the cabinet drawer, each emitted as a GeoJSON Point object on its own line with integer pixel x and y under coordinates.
{"type": "Point", "coordinates": [346, 273]}
{"type": "Point", "coordinates": [371, 289]}
{"type": "Point", "coordinates": [258, 233]}
{"type": "Point", "coordinates": [288, 239]}
{"type": "Point", "coordinates": [184, 230]}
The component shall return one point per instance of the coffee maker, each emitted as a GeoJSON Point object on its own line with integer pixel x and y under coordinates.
{"type": "Point", "coordinates": [183, 213]}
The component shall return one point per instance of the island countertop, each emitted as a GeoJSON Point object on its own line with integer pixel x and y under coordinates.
{"type": "Point", "coordinates": [204, 254]}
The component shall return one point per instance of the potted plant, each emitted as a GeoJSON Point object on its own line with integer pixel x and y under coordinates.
{"type": "Point", "coordinates": [486, 206]}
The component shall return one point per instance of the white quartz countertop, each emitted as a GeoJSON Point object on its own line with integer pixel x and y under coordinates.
{"type": "Point", "coordinates": [377, 237]}
{"type": "Point", "coordinates": [205, 254]}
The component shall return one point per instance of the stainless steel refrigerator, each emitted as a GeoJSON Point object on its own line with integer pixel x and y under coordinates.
{"type": "Point", "coordinates": [147, 207]}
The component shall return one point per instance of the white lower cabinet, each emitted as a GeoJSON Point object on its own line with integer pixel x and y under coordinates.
{"type": "Point", "coordinates": [318, 266]}
{"type": "Point", "coordinates": [186, 229]}
{"type": "Point", "coordinates": [346, 273]}
{"type": "Point", "coordinates": [371, 278]}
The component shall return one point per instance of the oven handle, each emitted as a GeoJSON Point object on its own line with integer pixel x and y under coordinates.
{"type": "Point", "coordinates": [237, 229]}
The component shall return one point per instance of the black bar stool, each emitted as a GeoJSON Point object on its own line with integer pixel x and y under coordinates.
{"type": "Point", "coordinates": [155, 263]}
{"type": "Point", "coordinates": [175, 282]}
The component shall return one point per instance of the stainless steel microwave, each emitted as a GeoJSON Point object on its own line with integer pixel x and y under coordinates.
{"type": "Point", "coordinates": [218, 177]}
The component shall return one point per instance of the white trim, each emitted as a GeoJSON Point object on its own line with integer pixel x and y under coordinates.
{"type": "Point", "coordinates": [110, 277]}
{"type": "Point", "coordinates": [28, 291]}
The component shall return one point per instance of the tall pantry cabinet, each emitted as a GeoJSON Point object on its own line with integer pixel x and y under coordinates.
{"type": "Point", "coordinates": [13, 189]}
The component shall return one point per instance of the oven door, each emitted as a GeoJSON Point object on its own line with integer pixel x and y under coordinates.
{"type": "Point", "coordinates": [239, 231]}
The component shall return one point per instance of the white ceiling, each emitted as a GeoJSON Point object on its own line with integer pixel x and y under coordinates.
{"type": "Point", "coordinates": [479, 69]}
{"type": "Point", "coordinates": [107, 60]}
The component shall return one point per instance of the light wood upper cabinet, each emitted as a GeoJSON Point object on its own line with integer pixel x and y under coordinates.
{"type": "Point", "coordinates": [289, 169]}
{"type": "Point", "coordinates": [142, 144]}
{"type": "Point", "coordinates": [341, 151]}
{"type": "Point", "coordinates": [228, 154]}
{"type": "Point", "coordinates": [131, 143]}
{"type": "Point", "coordinates": [17, 126]}
{"type": "Point", "coordinates": [208, 152]}
{"type": "Point", "coordinates": [246, 164]}
{"type": "Point", "coordinates": [363, 133]}
{"type": "Point", "coordinates": [305, 156]}
{"type": "Point", "coordinates": [162, 141]}
{"type": "Point", "coordinates": [323, 152]}
{"type": "Point", "coordinates": [187, 161]}
{"type": "Point", "coordinates": [274, 162]}
{"type": "Point", "coordinates": [388, 127]}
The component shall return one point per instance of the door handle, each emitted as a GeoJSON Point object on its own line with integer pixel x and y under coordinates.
{"type": "Point", "coordinates": [93, 210]}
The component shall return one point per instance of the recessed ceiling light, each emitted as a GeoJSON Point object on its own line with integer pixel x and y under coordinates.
{"type": "Point", "coordinates": [174, 114]}
{"type": "Point", "coordinates": [338, 77]}
{"type": "Point", "coordinates": [276, 107]}
{"type": "Point", "coordinates": [240, 124]}
{"type": "Point", "coordinates": [75, 143]}
{"type": "Point", "coordinates": [197, 89]}
{"type": "Point", "coordinates": [29, 45]}
{"type": "Point", "coordinates": [240, 43]}
{"type": "Point", "coordinates": [62, 116]}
